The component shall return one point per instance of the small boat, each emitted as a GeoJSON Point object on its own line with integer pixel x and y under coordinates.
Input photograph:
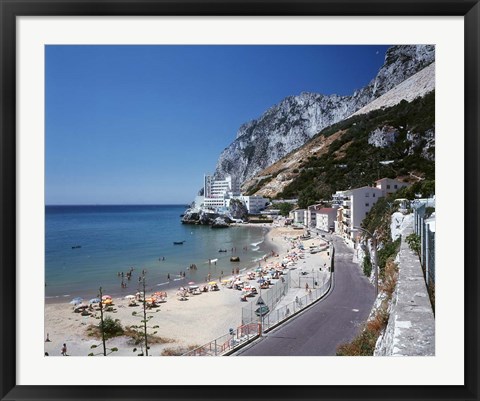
{"type": "Point", "coordinates": [178, 242]}
{"type": "Point", "coordinates": [76, 246]}
{"type": "Point", "coordinates": [222, 250]}
{"type": "Point", "coordinates": [234, 259]}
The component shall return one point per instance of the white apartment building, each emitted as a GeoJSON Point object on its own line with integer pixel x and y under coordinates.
{"type": "Point", "coordinates": [389, 185]}
{"type": "Point", "coordinates": [310, 215]}
{"type": "Point", "coordinates": [255, 204]}
{"type": "Point", "coordinates": [299, 216]}
{"type": "Point", "coordinates": [218, 188]}
{"type": "Point", "coordinates": [325, 218]}
{"type": "Point", "coordinates": [354, 205]}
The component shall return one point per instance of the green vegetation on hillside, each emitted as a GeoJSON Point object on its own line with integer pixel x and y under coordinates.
{"type": "Point", "coordinates": [285, 208]}
{"type": "Point", "coordinates": [351, 162]}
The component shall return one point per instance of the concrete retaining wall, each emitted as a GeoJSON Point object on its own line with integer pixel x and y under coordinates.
{"type": "Point", "coordinates": [411, 325]}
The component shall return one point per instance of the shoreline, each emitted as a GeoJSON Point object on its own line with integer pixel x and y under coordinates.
{"type": "Point", "coordinates": [174, 284]}
{"type": "Point", "coordinates": [176, 281]}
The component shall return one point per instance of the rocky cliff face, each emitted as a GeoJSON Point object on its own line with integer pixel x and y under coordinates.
{"type": "Point", "coordinates": [289, 124]}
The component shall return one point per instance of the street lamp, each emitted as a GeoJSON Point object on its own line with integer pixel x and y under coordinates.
{"type": "Point", "coordinates": [374, 259]}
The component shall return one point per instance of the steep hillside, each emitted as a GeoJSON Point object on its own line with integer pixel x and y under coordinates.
{"type": "Point", "coordinates": [419, 85]}
{"type": "Point", "coordinates": [396, 142]}
{"type": "Point", "coordinates": [288, 125]}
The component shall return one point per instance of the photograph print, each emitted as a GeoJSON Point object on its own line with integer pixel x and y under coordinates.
{"type": "Point", "coordinates": [239, 200]}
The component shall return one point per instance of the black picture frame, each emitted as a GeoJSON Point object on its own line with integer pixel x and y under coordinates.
{"type": "Point", "coordinates": [10, 9]}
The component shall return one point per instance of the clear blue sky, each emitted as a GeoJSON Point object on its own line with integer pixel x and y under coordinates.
{"type": "Point", "coordinates": [142, 124]}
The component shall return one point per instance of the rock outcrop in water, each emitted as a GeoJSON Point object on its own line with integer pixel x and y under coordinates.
{"type": "Point", "coordinates": [206, 217]}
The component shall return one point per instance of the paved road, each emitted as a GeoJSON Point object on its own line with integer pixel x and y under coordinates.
{"type": "Point", "coordinates": [332, 321]}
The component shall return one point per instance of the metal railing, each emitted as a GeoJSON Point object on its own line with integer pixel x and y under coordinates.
{"type": "Point", "coordinates": [227, 342]}
{"type": "Point", "coordinates": [286, 311]}
{"type": "Point", "coordinates": [430, 259]}
{"type": "Point", "coordinates": [427, 242]}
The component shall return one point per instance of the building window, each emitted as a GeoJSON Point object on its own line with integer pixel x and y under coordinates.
{"type": "Point", "coordinates": [367, 195]}
{"type": "Point", "coordinates": [373, 195]}
{"type": "Point", "coordinates": [367, 204]}
{"type": "Point", "coordinates": [395, 186]}
{"type": "Point", "coordinates": [388, 186]}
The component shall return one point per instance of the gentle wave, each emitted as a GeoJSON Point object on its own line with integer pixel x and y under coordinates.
{"type": "Point", "coordinates": [256, 244]}
{"type": "Point", "coordinates": [158, 285]}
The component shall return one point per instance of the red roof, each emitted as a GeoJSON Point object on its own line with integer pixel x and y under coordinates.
{"type": "Point", "coordinates": [326, 210]}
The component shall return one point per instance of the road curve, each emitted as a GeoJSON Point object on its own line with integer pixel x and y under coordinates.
{"type": "Point", "coordinates": [330, 322]}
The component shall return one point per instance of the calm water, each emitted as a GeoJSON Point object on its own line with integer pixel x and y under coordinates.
{"type": "Point", "coordinates": [115, 238]}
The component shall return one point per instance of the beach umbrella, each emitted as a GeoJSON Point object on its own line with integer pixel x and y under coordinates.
{"type": "Point", "coordinates": [94, 301]}
{"type": "Point", "coordinates": [212, 283]}
{"type": "Point", "coordinates": [130, 297]}
{"type": "Point", "coordinates": [107, 301]}
{"type": "Point", "coordinates": [106, 297]}
{"type": "Point", "coordinates": [76, 301]}
{"type": "Point", "coordinates": [261, 280]}
{"type": "Point", "coordinates": [191, 282]}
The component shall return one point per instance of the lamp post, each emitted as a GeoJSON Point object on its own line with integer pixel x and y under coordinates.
{"type": "Point", "coordinates": [374, 259]}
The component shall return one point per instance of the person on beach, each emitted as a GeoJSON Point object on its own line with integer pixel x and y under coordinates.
{"type": "Point", "coordinates": [168, 276]}
{"type": "Point", "coordinates": [306, 287]}
{"type": "Point", "coordinates": [64, 350]}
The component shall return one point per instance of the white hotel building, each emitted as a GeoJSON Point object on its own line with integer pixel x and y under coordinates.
{"type": "Point", "coordinates": [219, 193]}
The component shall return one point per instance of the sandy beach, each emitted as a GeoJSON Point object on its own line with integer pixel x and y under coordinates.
{"type": "Point", "coordinates": [182, 324]}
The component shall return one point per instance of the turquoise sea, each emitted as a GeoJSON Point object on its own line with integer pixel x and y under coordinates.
{"type": "Point", "coordinates": [87, 246]}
